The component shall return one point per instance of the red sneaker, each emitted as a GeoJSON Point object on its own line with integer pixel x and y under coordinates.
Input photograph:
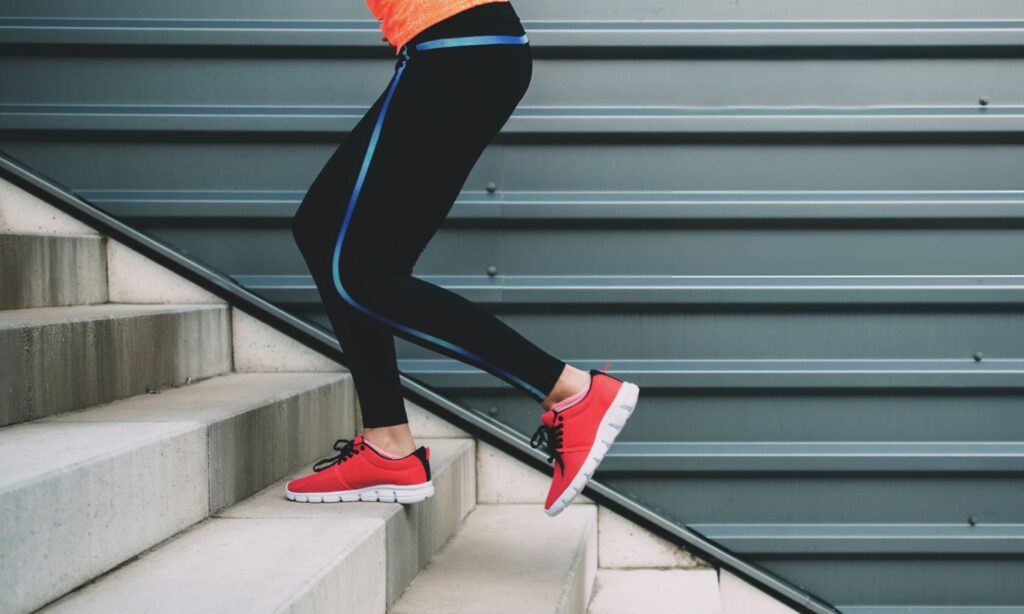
{"type": "Point", "coordinates": [578, 436]}
{"type": "Point", "coordinates": [360, 473]}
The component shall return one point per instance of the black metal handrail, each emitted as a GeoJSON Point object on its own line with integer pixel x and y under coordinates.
{"type": "Point", "coordinates": [479, 425]}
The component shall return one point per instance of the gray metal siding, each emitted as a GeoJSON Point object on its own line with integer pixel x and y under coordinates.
{"type": "Point", "coordinates": [798, 225]}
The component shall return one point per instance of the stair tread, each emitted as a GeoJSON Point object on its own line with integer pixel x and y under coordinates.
{"type": "Point", "coordinates": [672, 591]}
{"type": "Point", "coordinates": [41, 316]}
{"type": "Point", "coordinates": [207, 400]}
{"type": "Point", "coordinates": [509, 558]}
{"type": "Point", "coordinates": [260, 554]}
{"type": "Point", "coordinates": [241, 565]}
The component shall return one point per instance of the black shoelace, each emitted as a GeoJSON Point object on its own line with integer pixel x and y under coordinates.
{"type": "Point", "coordinates": [551, 437]}
{"type": "Point", "coordinates": [344, 452]}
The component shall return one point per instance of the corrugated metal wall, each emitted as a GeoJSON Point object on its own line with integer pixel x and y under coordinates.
{"type": "Point", "coordinates": [797, 224]}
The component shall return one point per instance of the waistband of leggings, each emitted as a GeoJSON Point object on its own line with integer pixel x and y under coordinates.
{"type": "Point", "coordinates": [498, 18]}
{"type": "Point", "coordinates": [409, 49]}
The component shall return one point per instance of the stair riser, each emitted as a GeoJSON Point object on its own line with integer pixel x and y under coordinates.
{"type": "Point", "coordinates": [581, 585]}
{"type": "Point", "coordinates": [257, 448]}
{"type": "Point", "coordinates": [878, 497]}
{"type": "Point", "coordinates": [55, 368]}
{"type": "Point", "coordinates": [51, 270]}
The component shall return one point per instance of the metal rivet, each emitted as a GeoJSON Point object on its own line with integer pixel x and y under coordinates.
{"type": "Point", "coordinates": [983, 101]}
{"type": "Point", "coordinates": [492, 271]}
{"type": "Point", "coordinates": [492, 410]}
{"type": "Point", "coordinates": [977, 356]}
{"type": "Point", "coordinates": [492, 187]}
{"type": "Point", "coordinates": [972, 520]}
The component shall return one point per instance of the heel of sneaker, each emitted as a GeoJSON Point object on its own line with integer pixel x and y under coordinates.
{"type": "Point", "coordinates": [415, 493]}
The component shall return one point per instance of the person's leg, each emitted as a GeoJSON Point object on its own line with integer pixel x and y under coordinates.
{"type": "Point", "coordinates": [367, 343]}
{"type": "Point", "coordinates": [404, 165]}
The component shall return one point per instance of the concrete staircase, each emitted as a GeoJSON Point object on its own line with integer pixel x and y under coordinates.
{"type": "Point", "coordinates": [147, 429]}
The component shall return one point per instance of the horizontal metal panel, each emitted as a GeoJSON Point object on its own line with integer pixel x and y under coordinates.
{"type": "Point", "coordinates": [682, 205]}
{"type": "Point", "coordinates": [927, 609]}
{"type": "Point", "coordinates": [812, 162]}
{"type": "Point", "coordinates": [326, 78]}
{"type": "Point", "coordinates": [597, 33]}
{"type": "Point", "coordinates": [815, 457]}
{"type": "Point", "coordinates": [964, 584]}
{"type": "Point", "coordinates": [836, 498]}
{"type": "Point", "coordinates": [526, 120]}
{"type": "Point", "coordinates": [811, 414]}
{"type": "Point", "coordinates": [761, 333]}
{"type": "Point", "coordinates": [690, 290]}
{"type": "Point", "coordinates": [809, 540]}
{"type": "Point", "coordinates": [647, 10]}
{"type": "Point", "coordinates": [679, 375]}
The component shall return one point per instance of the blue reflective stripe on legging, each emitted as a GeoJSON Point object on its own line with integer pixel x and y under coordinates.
{"type": "Point", "coordinates": [493, 39]}
{"type": "Point", "coordinates": [337, 253]}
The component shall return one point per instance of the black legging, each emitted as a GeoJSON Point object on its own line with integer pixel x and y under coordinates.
{"type": "Point", "coordinates": [387, 188]}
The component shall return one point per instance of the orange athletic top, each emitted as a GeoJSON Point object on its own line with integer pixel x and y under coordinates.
{"type": "Point", "coordinates": [401, 20]}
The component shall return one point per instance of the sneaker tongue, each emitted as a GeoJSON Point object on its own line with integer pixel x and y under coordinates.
{"type": "Point", "coordinates": [548, 418]}
{"type": "Point", "coordinates": [358, 440]}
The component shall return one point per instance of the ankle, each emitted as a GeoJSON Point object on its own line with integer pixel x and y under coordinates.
{"type": "Point", "coordinates": [391, 439]}
{"type": "Point", "coordinates": [571, 382]}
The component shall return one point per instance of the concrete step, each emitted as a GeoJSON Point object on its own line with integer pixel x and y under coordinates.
{"type": "Point", "coordinates": [227, 565]}
{"type": "Point", "coordinates": [268, 554]}
{"type": "Point", "coordinates": [509, 559]}
{"type": "Point", "coordinates": [415, 532]}
{"type": "Point", "coordinates": [46, 270]}
{"type": "Point", "coordinates": [57, 359]}
{"type": "Point", "coordinates": [671, 591]}
{"type": "Point", "coordinates": [84, 491]}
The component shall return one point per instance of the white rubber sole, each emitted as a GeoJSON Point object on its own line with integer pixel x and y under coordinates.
{"type": "Point", "coordinates": [387, 493]}
{"type": "Point", "coordinates": [612, 423]}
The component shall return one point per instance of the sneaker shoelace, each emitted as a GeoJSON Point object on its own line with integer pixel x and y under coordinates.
{"type": "Point", "coordinates": [344, 451]}
{"type": "Point", "coordinates": [551, 438]}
